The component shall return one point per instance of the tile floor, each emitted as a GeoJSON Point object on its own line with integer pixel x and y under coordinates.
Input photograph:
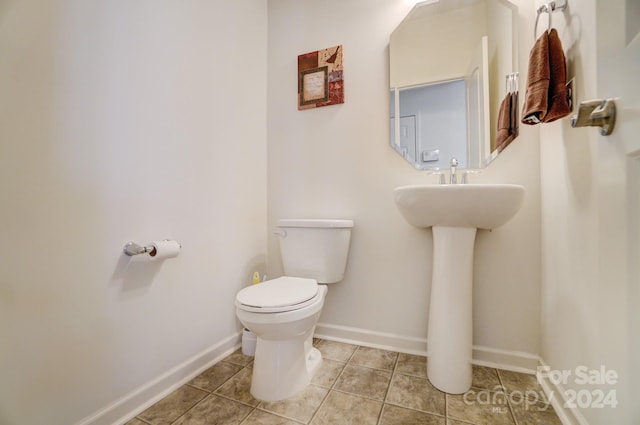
{"type": "Point", "coordinates": [355, 385]}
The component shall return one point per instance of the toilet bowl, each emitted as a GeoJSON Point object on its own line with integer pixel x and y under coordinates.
{"type": "Point", "coordinates": [285, 359]}
{"type": "Point", "coordinates": [283, 312]}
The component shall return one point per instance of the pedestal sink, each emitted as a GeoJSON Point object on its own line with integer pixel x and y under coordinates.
{"type": "Point", "coordinates": [455, 212]}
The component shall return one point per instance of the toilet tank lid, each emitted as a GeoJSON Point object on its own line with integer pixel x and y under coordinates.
{"type": "Point", "coordinates": [315, 222]}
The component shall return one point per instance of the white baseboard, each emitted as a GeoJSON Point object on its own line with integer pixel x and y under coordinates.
{"type": "Point", "coordinates": [122, 410]}
{"type": "Point", "coordinates": [516, 361]}
{"type": "Point", "coordinates": [556, 394]}
{"type": "Point", "coordinates": [483, 356]}
{"type": "Point", "coordinates": [368, 338]}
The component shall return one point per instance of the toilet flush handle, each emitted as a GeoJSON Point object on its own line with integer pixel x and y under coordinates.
{"type": "Point", "coordinates": [281, 232]}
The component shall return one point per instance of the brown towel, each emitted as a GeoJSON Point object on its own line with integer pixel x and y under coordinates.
{"type": "Point", "coordinates": [504, 135]}
{"type": "Point", "coordinates": [558, 103]}
{"type": "Point", "coordinates": [536, 95]}
{"type": "Point", "coordinates": [507, 121]}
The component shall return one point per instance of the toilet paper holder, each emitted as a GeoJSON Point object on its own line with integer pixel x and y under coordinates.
{"type": "Point", "coordinates": [157, 250]}
{"type": "Point", "coordinates": [132, 248]}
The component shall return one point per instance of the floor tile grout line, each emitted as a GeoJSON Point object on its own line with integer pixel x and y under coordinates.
{"type": "Point", "coordinates": [512, 411]}
{"type": "Point", "coordinates": [283, 416]}
{"type": "Point", "coordinates": [462, 421]}
{"type": "Point", "coordinates": [244, 420]}
{"type": "Point", "coordinates": [343, 369]}
{"type": "Point", "coordinates": [508, 396]}
{"type": "Point", "coordinates": [244, 403]}
{"type": "Point", "coordinates": [446, 407]}
{"type": "Point", "coordinates": [225, 381]}
{"type": "Point", "coordinates": [393, 373]}
{"type": "Point", "coordinates": [397, 355]}
{"type": "Point", "coordinates": [509, 392]}
{"type": "Point", "coordinates": [326, 396]}
{"type": "Point", "coordinates": [418, 410]}
{"type": "Point", "coordinates": [289, 418]}
{"type": "Point", "coordinates": [359, 395]}
{"type": "Point", "coordinates": [353, 354]}
{"type": "Point", "coordinates": [189, 409]}
{"type": "Point", "coordinates": [381, 413]}
{"type": "Point", "coordinates": [371, 367]}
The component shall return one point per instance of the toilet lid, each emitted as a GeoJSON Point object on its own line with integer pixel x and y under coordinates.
{"type": "Point", "coordinates": [278, 293]}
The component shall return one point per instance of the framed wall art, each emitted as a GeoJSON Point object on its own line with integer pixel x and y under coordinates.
{"type": "Point", "coordinates": [320, 78]}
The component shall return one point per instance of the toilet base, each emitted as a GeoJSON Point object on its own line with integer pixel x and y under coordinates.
{"type": "Point", "coordinates": [283, 368]}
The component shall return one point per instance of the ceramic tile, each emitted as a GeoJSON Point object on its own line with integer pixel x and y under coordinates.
{"type": "Point", "coordinates": [172, 406]}
{"type": "Point", "coordinates": [480, 408]}
{"type": "Point", "coordinates": [374, 358]}
{"type": "Point", "coordinates": [238, 358]}
{"type": "Point", "coordinates": [258, 417]}
{"type": "Point", "coordinates": [215, 410]}
{"type": "Point", "coordinates": [520, 383]}
{"type": "Point", "coordinates": [531, 397]}
{"type": "Point", "coordinates": [336, 350]}
{"type": "Point", "coordinates": [328, 373]}
{"type": "Point", "coordinates": [300, 407]}
{"type": "Point", "coordinates": [215, 376]}
{"type": "Point", "coordinates": [416, 393]}
{"type": "Point", "coordinates": [409, 364]}
{"type": "Point", "coordinates": [486, 378]}
{"type": "Point", "coordinates": [364, 381]}
{"type": "Point", "coordinates": [346, 409]}
{"type": "Point", "coordinates": [394, 415]}
{"type": "Point", "coordinates": [533, 413]}
{"type": "Point", "coordinates": [355, 385]}
{"type": "Point", "coordinates": [238, 388]}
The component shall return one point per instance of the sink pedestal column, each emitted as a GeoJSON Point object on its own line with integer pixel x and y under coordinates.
{"type": "Point", "coordinates": [450, 333]}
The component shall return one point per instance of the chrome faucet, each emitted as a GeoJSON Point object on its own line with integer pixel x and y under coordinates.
{"type": "Point", "coordinates": [453, 165]}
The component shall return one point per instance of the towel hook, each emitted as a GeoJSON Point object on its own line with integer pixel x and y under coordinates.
{"type": "Point", "coordinates": [511, 82]}
{"type": "Point", "coordinates": [514, 81]}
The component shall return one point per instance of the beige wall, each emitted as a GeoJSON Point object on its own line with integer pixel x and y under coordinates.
{"type": "Point", "coordinates": [335, 162]}
{"type": "Point", "coordinates": [124, 121]}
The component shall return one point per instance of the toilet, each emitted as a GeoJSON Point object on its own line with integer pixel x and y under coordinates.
{"type": "Point", "coordinates": [283, 312]}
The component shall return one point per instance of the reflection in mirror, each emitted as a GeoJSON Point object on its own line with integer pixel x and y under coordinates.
{"type": "Point", "coordinates": [449, 62]}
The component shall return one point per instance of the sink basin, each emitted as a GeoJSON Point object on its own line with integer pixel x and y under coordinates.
{"type": "Point", "coordinates": [483, 206]}
{"type": "Point", "coordinates": [455, 212]}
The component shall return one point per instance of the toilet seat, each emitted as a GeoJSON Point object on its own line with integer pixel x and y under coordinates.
{"type": "Point", "coordinates": [278, 295]}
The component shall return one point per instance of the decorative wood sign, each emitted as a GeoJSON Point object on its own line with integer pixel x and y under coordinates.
{"type": "Point", "coordinates": [320, 78]}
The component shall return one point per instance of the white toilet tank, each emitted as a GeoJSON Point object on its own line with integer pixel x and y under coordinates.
{"type": "Point", "coordinates": [315, 248]}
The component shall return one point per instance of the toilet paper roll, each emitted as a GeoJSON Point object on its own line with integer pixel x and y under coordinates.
{"type": "Point", "coordinates": [164, 249]}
